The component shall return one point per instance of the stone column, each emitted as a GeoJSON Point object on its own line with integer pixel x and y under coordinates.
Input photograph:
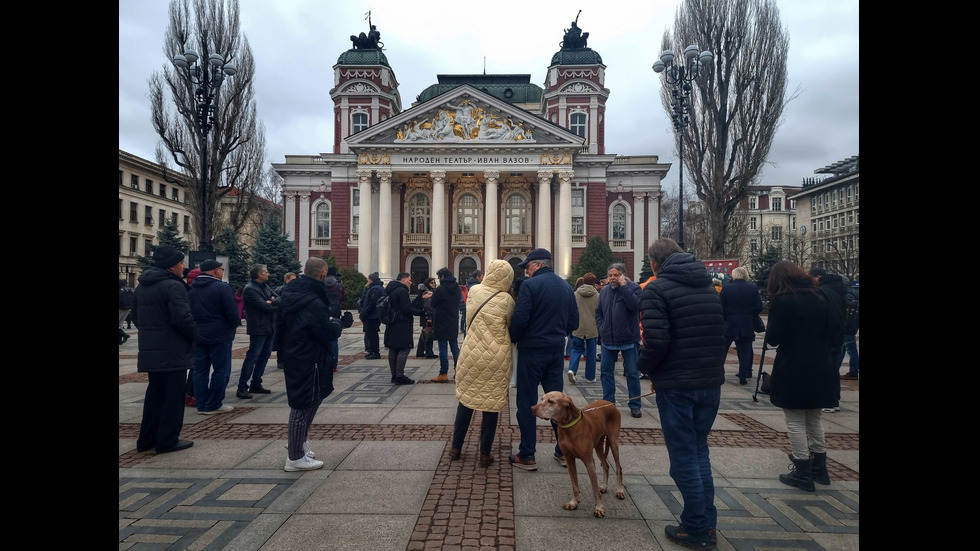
{"type": "Point", "coordinates": [385, 237]}
{"type": "Point", "coordinates": [563, 258]}
{"type": "Point", "coordinates": [542, 237]}
{"type": "Point", "coordinates": [653, 214]}
{"type": "Point", "coordinates": [289, 216]}
{"type": "Point", "coordinates": [639, 214]}
{"type": "Point", "coordinates": [491, 213]}
{"type": "Point", "coordinates": [440, 226]}
{"type": "Point", "coordinates": [303, 236]}
{"type": "Point", "coordinates": [365, 231]}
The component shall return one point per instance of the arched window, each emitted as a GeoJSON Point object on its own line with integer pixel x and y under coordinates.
{"type": "Point", "coordinates": [359, 121]}
{"type": "Point", "coordinates": [515, 214]}
{"type": "Point", "coordinates": [467, 214]}
{"type": "Point", "coordinates": [577, 124]}
{"type": "Point", "coordinates": [420, 214]}
{"type": "Point", "coordinates": [619, 222]}
{"type": "Point", "coordinates": [467, 265]}
{"type": "Point", "coordinates": [323, 219]}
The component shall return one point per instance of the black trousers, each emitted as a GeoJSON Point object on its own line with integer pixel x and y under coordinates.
{"type": "Point", "coordinates": [372, 343]}
{"type": "Point", "coordinates": [163, 410]}
{"type": "Point", "coordinates": [488, 427]}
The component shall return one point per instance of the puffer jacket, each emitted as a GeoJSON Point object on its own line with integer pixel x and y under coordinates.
{"type": "Point", "coordinates": [587, 299]}
{"type": "Point", "coordinates": [486, 360]}
{"type": "Point", "coordinates": [683, 327]}
{"type": "Point", "coordinates": [162, 313]}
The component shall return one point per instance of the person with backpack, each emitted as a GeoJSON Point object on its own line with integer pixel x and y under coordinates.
{"type": "Point", "coordinates": [475, 278]}
{"type": "Point", "coordinates": [369, 317]}
{"type": "Point", "coordinates": [126, 298]}
{"type": "Point", "coordinates": [833, 286]}
{"type": "Point", "coordinates": [335, 297]}
{"type": "Point", "coordinates": [398, 333]}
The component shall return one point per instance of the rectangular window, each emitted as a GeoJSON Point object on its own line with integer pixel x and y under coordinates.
{"type": "Point", "coordinates": [777, 233]}
{"type": "Point", "coordinates": [850, 217]}
{"type": "Point", "coordinates": [578, 225]}
{"type": "Point", "coordinates": [163, 217]}
{"type": "Point", "coordinates": [147, 246]}
{"type": "Point", "coordinates": [149, 186]}
{"type": "Point", "coordinates": [752, 223]}
{"type": "Point", "coordinates": [777, 203]}
{"type": "Point", "coordinates": [163, 191]}
{"type": "Point", "coordinates": [120, 208]}
{"type": "Point", "coordinates": [148, 215]}
{"type": "Point", "coordinates": [120, 178]}
{"type": "Point", "coordinates": [134, 181]}
{"type": "Point", "coordinates": [359, 121]}
{"type": "Point", "coordinates": [578, 197]}
{"type": "Point", "coordinates": [577, 124]}
{"type": "Point", "coordinates": [187, 224]}
{"type": "Point", "coordinates": [133, 212]}
{"type": "Point", "coordinates": [174, 195]}
{"type": "Point", "coordinates": [133, 247]}
{"type": "Point", "coordinates": [850, 194]}
{"type": "Point", "coordinates": [753, 203]}
{"type": "Point", "coordinates": [173, 218]}
{"type": "Point", "coordinates": [754, 245]}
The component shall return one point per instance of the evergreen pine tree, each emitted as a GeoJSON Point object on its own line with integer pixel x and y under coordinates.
{"type": "Point", "coordinates": [646, 270]}
{"type": "Point", "coordinates": [764, 265]}
{"type": "Point", "coordinates": [596, 258]}
{"type": "Point", "coordinates": [275, 250]}
{"type": "Point", "coordinates": [238, 257]}
{"type": "Point", "coordinates": [168, 234]}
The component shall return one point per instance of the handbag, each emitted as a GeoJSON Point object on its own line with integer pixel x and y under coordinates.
{"type": "Point", "coordinates": [758, 325]}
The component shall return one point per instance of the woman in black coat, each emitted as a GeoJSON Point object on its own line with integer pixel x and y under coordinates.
{"type": "Point", "coordinates": [424, 349]}
{"type": "Point", "coordinates": [398, 334]}
{"type": "Point", "coordinates": [802, 323]}
{"type": "Point", "coordinates": [742, 304]}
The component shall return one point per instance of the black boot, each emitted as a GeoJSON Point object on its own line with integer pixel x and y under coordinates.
{"type": "Point", "coordinates": [800, 474]}
{"type": "Point", "coordinates": [819, 468]}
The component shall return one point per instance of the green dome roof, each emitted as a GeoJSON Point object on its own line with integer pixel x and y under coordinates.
{"type": "Point", "coordinates": [363, 57]}
{"type": "Point", "coordinates": [509, 88]}
{"type": "Point", "coordinates": [578, 56]}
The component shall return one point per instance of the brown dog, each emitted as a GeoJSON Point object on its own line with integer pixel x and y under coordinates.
{"type": "Point", "coordinates": [596, 427]}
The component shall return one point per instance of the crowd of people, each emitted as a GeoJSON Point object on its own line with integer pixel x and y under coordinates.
{"type": "Point", "coordinates": [673, 329]}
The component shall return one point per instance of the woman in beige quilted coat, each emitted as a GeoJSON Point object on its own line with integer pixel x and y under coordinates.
{"type": "Point", "coordinates": [485, 360]}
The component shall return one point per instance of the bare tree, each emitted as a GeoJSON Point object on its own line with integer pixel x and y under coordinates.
{"type": "Point", "coordinates": [236, 142]}
{"type": "Point", "coordinates": [839, 252]}
{"type": "Point", "coordinates": [800, 250]}
{"type": "Point", "coordinates": [737, 104]}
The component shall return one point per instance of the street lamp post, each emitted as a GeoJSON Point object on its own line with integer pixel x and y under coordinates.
{"type": "Point", "coordinates": [208, 80]}
{"type": "Point", "coordinates": [680, 76]}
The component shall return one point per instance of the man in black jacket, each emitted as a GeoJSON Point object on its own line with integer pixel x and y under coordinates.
{"type": "Point", "coordinates": [369, 316]}
{"type": "Point", "coordinates": [445, 321]}
{"type": "Point", "coordinates": [306, 332]}
{"type": "Point", "coordinates": [162, 313]}
{"type": "Point", "coordinates": [261, 304]}
{"type": "Point", "coordinates": [684, 356]}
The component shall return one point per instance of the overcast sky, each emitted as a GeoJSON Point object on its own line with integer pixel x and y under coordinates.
{"type": "Point", "coordinates": [297, 42]}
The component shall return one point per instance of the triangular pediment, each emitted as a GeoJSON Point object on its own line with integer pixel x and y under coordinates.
{"type": "Point", "coordinates": [465, 116]}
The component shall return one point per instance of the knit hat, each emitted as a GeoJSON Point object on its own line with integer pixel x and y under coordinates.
{"type": "Point", "coordinates": [167, 256]}
{"type": "Point", "coordinates": [374, 276]}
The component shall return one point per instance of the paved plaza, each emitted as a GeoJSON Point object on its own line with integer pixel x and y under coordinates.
{"type": "Point", "coordinates": [388, 484]}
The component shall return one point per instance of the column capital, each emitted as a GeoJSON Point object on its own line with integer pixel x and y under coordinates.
{"type": "Point", "coordinates": [491, 175]}
{"type": "Point", "coordinates": [438, 176]}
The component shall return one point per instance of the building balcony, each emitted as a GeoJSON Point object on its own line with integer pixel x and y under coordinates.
{"type": "Point", "coordinates": [578, 240]}
{"type": "Point", "coordinates": [416, 239]}
{"type": "Point", "coordinates": [467, 239]}
{"type": "Point", "coordinates": [320, 243]}
{"type": "Point", "coordinates": [515, 240]}
{"type": "Point", "coordinates": [621, 244]}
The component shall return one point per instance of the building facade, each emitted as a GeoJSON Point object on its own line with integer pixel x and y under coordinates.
{"type": "Point", "coordinates": [830, 217]}
{"type": "Point", "coordinates": [480, 167]}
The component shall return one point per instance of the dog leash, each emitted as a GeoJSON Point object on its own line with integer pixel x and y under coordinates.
{"type": "Point", "coordinates": [620, 401]}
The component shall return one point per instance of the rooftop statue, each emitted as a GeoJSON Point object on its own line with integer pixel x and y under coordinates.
{"type": "Point", "coordinates": [574, 38]}
{"type": "Point", "coordinates": [369, 41]}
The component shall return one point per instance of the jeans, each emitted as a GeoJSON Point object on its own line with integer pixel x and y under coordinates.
{"type": "Point", "coordinates": [444, 347]}
{"type": "Point", "coordinates": [335, 352]}
{"type": "Point", "coordinates": [211, 396]}
{"type": "Point", "coordinates": [582, 347]}
{"type": "Point", "coordinates": [259, 350]}
{"type": "Point", "coordinates": [686, 416]}
{"type": "Point", "coordinates": [607, 370]}
{"type": "Point", "coordinates": [536, 367]}
{"type": "Point", "coordinates": [743, 347]}
{"type": "Point", "coordinates": [851, 348]}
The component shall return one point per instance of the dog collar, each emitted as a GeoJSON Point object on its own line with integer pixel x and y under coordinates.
{"type": "Point", "coordinates": [574, 421]}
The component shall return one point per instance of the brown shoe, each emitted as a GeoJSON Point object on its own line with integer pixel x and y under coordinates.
{"type": "Point", "coordinates": [486, 459]}
{"type": "Point", "coordinates": [454, 453]}
{"type": "Point", "coordinates": [441, 378]}
{"type": "Point", "coordinates": [849, 377]}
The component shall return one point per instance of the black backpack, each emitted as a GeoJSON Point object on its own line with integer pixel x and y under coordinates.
{"type": "Point", "coordinates": [851, 314]}
{"type": "Point", "coordinates": [126, 299]}
{"type": "Point", "coordinates": [386, 313]}
{"type": "Point", "coordinates": [333, 302]}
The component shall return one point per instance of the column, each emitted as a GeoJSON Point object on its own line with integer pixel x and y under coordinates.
{"type": "Point", "coordinates": [365, 231]}
{"type": "Point", "coordinates": [563, 258]}
{"type": "Point", "coordinates": [384, 226]}
{"type": "Point", "coordinates": [303, 236]}
{"type": "Point", "coordinates": [542, 237]}
{"type": "Point", "coordinates": [289, 214]}
{"type": "Point", "coordinates": [653, 215]}
{"type": "Point", "coordinates": [440, 226]}
{"type": "Point", "coordinates": [639, 213]}
{"type": "Point", "coordinates": [491, 212]}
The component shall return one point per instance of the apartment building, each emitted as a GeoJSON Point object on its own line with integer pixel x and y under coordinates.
{"type": "Point", "coordinates": [829, 217]}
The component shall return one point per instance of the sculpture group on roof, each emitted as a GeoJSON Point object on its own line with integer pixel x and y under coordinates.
{"type": "Point", "coordinates": [369, 41]}
{"type": "Point", "coordinates": [574, 37]}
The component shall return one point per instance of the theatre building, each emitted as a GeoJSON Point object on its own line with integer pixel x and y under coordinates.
{"type": "Point", "coordinates": [479, 167]}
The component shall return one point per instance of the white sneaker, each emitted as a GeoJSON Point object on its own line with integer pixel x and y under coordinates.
{"type": "Point", "coordinates": [571, 377]}
{"type": "Point", "coordinates": [309, 452]}
{"type": "Point", "coordinates": [830, 410]}
{"type": "Point", "coordinates": [305, 463]}
{"type": "Point", "coordinates": [223, 409]}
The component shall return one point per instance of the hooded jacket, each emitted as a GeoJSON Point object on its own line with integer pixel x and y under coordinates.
{"type": "Point", "coordinates": [445, 309]}
{"type": "Point", "coordinates": [162, 313]}
{"type": "Point", "coordinates": [369, 310]}
{"type": "Point", "coordinates": [486, 359]}
{"type": "Point", "coordinates": [398, 335]}
{"type": "Point", "coordinates": [587, 300]}
{"type": "Point", "coordinates": [306, 333]}
{"type": "Point", "coordinates": [683, 327]}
